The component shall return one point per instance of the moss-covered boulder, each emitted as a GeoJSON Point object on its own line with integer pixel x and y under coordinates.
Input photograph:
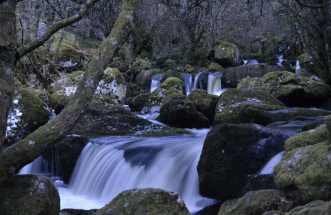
{"type": "Point", "coordinates": [144, 78]}
{"type": "Point", "coordinates": [312, 208]}
{"type": "Point", "coordinates": [28, 113]}
{"type": "Point", "coordinates": [306, 64]}
{"type": "Point", "coordinates": [259, 182]}
{"type": "Point", "coordinates": [215, 67]}
{"type": "Point", "coordinates": [232, 76]}
{"type": "Point", "coordinates": [292, 89]}
{"type": "Point", "coordinates": [68, 150]}
{"type": "Point", "coordinates": [306, 138]}
{"type": "Point", "coordinates": [304, 173]}
{"type": "Point", "coordinates": [69, 55]}
{"type": "Point", "coordinates": [178, 111]}
{"type": "Point", "coordinates": [232, 152]}
{"type": "Point", "coordinates": [243, 106]}
{"type": "Point", "coordinates": [133, 90]}
{"type": "Point", "coordinates": [138, 102]}
{"type": "Point", "coordinates": [145, 201]}
{"type": "Point", "coordinates": [111, 87]}
{"type": "Point", "coordinates": [29, 194]}
{"type": "Point", "coordinates": [59, 100]}
{"type": "Point", "coordinates": [190, 69]}
{"type": "Point", "coordinates": [158, 95]}
{"type": "Point", "coordinates": [226, 54]}
{"type": "Point", "coordinates": [204, 103]}
{"type": "Point", "coordinates": [140, 65]}
{"type": "Point", "coordinates": [253, 203]}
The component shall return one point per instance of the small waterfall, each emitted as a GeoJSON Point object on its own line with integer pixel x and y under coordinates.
{"type": "Point", "coordinates": [215, 84]}
{"type": "Point", "coordinates": [47, 164]}
{"type": "Point", "coordinates": [297, 67]}
{"type": "Point", "coordinates": [280, 60]}
{"type": "Point", "coordinates": [110, 165]}
{"type": "Point", "coordinates": [252, 62]}
{"type": "Point", "coordinates": [156, 81]}
{"type": "Point", "coordinates": [269, 167]}
{"type": "Point", "coordinates": [190, 85]}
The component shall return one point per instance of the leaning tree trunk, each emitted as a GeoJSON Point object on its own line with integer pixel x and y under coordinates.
{"type": "Point", "coordinates": [8, 59]}
{"type": "Point", "coordinates": [25, 151]}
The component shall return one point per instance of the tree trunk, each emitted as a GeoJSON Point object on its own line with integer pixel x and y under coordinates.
{"type": "Point", "coordinates": [8, 58]}
{"type": "Point", "coordinates": [25, 151]}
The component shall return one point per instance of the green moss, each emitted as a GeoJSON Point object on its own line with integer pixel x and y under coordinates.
{"type": "Point", "coordinates": [74, 78]}
{"type": "Point", "coordinates": [307, 138]}
{"type": "Point", "coordinates": [215, 67]}
{"type": "Point", "coordinates": [111, 74]}
{"type": "Point", "coordinates": [190, 69]}
{"type": "Point", "coordinates": [166, 131]}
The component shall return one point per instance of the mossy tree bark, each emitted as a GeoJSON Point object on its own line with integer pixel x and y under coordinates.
{"type": "Point", "coordinates": [25, 151]}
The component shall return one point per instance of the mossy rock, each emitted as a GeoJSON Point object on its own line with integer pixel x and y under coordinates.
{"type": "Point", "coordinates": [306, 138]}
{"type": "Point", "coordinates": [69, 50]}
{"type": "Point", "coordinates": [145, 201]}
{"type": "Point", "coordinates": [74, 78]}
{"type": "Point", "coordinates": [232, 152]}
{"type": "Point", "coordinates": [138, 102]}
{"type": "Point", "coordinates": [190, 69]}
{"type": "Point", "coordinates": [316, 207]}
{"type": "Point", "coordinates": [304, 173]}
{"type": "Point", "coordinates": [178, 111]}
{"type": "Point", "coordinates": [158, 95]}
{"type": "Point", "coordinates": [111, 87]}
{"type": "Point", "coordinates": [226, 54]}
{"type": "Point", "coordinates": [204, 103]}
{"type": "Point", "coordinates": [29, 194]}
{"type": "Point", "coordinates": [59, 100]}
{"type": "Point", "coordinates": [215, 67]}
{"type": "Point", "coordinates": [140, 65]}
{"type": "Point", "coordinates": [292, 89]}
{"type": "Point", "coordinates": [306, 63]}
{"type": "Point", "coordinates": [253, 203]}
{"type": "Point", "coordinates": [259, 182]}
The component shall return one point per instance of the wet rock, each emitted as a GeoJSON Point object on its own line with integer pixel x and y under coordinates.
{"type": "Point", "coordinates": [315, 207]}
{"type": "Point", "coordinates": [253, 203]}
{"type": "Point", "coordinates": [232, 76]}
{"type": "Point", "coordinates": [259, 182]}
{"type": "Point", "coordinates": [209, 210]}
{"type": "Point", "coordinates": [232, 152]}
{"type": "Point", "coordinates": [215, 67]}
{"type": "Point", "coordinates": [204, 103]}
{"type": "Point", "coordinates": [292, 89]}
{"type": "Point", "coordinates": [178, 111]}
{"type": "Point", "coordinates": [145, 201]}
{"type": "Point", "coordinates": [138, 102]}
{"type": "Point", "coordinates": [144, 78]}
{"type": "Point", "coordinates": [29, 194]}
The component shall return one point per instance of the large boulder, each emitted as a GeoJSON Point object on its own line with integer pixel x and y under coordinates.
{"type": "Point", "coordinates": [243, 106]}
{"type": "Point", "coordinates": [29, 194]}
{"type": "Point", "coordinates": [178, 111]}
{"type": "Point", "coordinates": [232, 152]}
{"type": "Point", "coordinates": [226, 54]}
{"type": "Point", "coordinates": [259, 182]}
{"type": "Point", "coordinates": [304, 173]}
{"type": "Point", "coordinates": [292, 89]}
{"type": "Point", "coordinates": [232, 76]}
{"type": "Point", "coordinates": [144, 78]}
{"type": "Point", "coordinates": [204, 103]}
{"type": "Point", "coordinates": [111, 87]}
{"type": "Point", "coordinates": [158, 95]}
{"type": "Point", "coordinates": [28, 113]}
{"type": "Point", "coordinates": [253, 203]}
{"type": "Point", "coordinates": [145, 201]}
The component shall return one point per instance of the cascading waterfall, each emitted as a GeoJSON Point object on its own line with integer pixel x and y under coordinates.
{"type": "Point", "coordinates": [110, 165]}
{"type": "Point", "coordinates": [215, 84]}
{"type": "Point", "coordinates": [189, 84]}
{"type": "Point", "coordinates": [156, 81]}
{"type": "Point", "coordinates": [269, 167]}
{"type": "Point", "coordinates": [297, 67]}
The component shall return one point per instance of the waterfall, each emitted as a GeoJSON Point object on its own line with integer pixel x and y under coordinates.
{"type": "Point", "coordinates": [47, 164]}
{"type": "Point", "coordinates": [156, 81]}
{"type": "Point", "coordinates": [110, 165]}
{"type": "Point", "coordinates": [280, 60]}
{"type": "Point", "coordinates": [269, 167]}
{"type": "Point", "coordinates": [252, 62]}
{"type": "Point", "coordinates": [297, 67]}
{"type": "Point", "coordinates": [215, 84]}
{"type": "Point", "coordinates": [189, 84]}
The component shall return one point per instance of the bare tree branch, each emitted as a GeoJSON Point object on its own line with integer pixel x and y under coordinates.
{"type": "Point", "coordinates": [25, 49]}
